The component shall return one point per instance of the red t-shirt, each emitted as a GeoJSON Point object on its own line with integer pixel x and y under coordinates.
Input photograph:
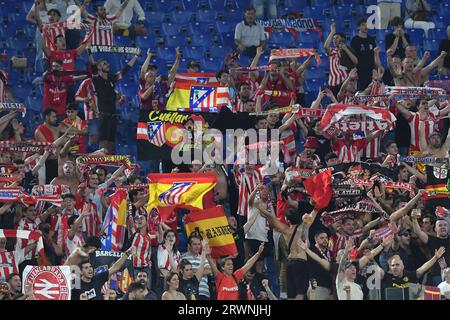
{"type": "Point", "coordinates": [55, 92]}
{"type": "Point", "coordinates": [80, 124]}
{"type": "Point", "coordinates": [227, 288]}
{"type": "Point", "coordinates": [66, 56]}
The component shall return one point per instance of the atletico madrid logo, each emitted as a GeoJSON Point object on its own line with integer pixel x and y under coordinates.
{"type": "Point", "coordinates": [198, 94]}
{"type": "Point", "coordinates": [156, 134]}
{"type": "Point", "coordinates": [173, 195]}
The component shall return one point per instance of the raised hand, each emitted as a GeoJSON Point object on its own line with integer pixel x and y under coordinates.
{"type": "Point", "coordinates": [353, 73]}
{"type": "Point", "coordinates": [439, 252]}
{"type": "Point", "coordinates": [427, 55]}
{"type": "Point", "coordinates": [261, 248]}
{"type": "Point", "coordinates": [178, 52]}
{"type": "Point", "coordinates": [265, 283]}
{"type": "Point", "coordinates": [333, 28]}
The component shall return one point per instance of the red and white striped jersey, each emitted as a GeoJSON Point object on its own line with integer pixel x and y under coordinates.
{"type": "Point", "coordinates": [29, 225]}
{"type": "Point", "coordinates": [338, 242]}
{"type": "Point", "coordinates": [70, 245]}
{"type": "Point", "coordinates": [372, 150]}
{"type": "Point", "coordinates": [9, 262]}
{"type": "Point", "coordinates": [143, 245]}
{"type": "Point", "coordinates": [93, 220]}
{"type": "Point", "coordinates": [246, 184]}
{"type": "Point", "coordinates": [87, 89]}
{"type": "Point", "coordinates": [60, 226]}
{"type": "Point", "coordinates": [414, 127]}
{"type": "Point", "coordinates": [351, 153]}
{"type": "Point", "coordinates": [50, 31]}
{"type": "Point", "coordinates": [103, 30]}
{"type": "Point", "coordinates": [338, 73]}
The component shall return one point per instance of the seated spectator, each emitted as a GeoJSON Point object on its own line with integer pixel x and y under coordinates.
{"type": "Point", "coordinates": [419, 15]}
{"type": "Point", "coordinates": [444, 286]}
{"type": "Point", "coordinates": [249, 34]}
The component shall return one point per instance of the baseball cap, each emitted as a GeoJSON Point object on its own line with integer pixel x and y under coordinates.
{"type": "Point", "coordinates": [311, 142]}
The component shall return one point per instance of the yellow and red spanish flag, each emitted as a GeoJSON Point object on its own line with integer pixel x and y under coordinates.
{"type": "Point", "coordinates": [183, 190]}
{"type": "Point", "coordinates": [213, 224]}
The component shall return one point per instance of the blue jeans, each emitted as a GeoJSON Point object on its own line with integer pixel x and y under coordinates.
{"type": "Point", "coordinates": [269, 6]}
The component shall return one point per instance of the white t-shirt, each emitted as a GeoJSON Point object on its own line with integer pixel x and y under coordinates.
{"type": "Point", "coordinates": [355, 290]}
{"type": "Point", "coordinates": [444, 287]}
{"type": "Point", "coordinates": [259, 229]}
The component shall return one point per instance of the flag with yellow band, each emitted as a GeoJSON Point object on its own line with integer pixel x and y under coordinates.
{"type": "Point", "coordinates": [213, 224]}
{"type": "Point", "coordinates": [184, 190]}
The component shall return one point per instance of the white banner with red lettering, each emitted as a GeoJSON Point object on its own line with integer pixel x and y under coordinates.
{"type": "Point", "coordinates": [47, 282]}
{"type": "Point", "coordinates": [338, 112]}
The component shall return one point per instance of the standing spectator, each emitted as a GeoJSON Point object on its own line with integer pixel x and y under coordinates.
{"type": "Point", "coordinates": [56, 84]}
{"type": "Point", "coordinates": [10, 260]}
{"type": "Point", "coordinates": [249, 34]}
{"type": "Point", "coordinates": [86, 94]}
{"type": "Point", "coordinates": [104, 84]}
{"type": "Point", "coordinates": [49, 132]}
{"type": "Point", "coordinates": [348, 149]}
{"type": "Point", "coordinates": [151, 89]}
{"type": "Point", "coordinates": [91, 285]}
{"type": "Point", "coordinates": [41, 13]}
{"type": "Point", "coordinates": [444, 45]}
{"type": "Point", "coordinates": [123, 25]}
{"type": "Point", "coordinates": [80, 128]}
{"type": "Point", "coordinates": [102, 24]}
{"type": "Point", "coordinates": [338, 71]}
{"type": "Point", "coordinates": [227, 281]}
{"type": "Point", "coordinates": [346, 286]}
{"type": "Point", "coordinates": [168, 259]}
{"type": "Point", "coordinates": [398, 40]}
{"type": "Point", "coordinates": [190, 278]}
{"type": "Point", "coordinates": [142, 278]}
{"type": "Point", "coordinates": [363, 46]}
{"type": "Point", "coordinates": [418, 13]}
{"type": "Point", "coordinates": [269, 6]}
{"type": "Point", "coordinates": [388, 10]}
{"type": "Point", "coordinates": [193, 256]}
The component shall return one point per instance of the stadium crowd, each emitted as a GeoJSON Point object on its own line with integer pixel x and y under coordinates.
{"type": "Point", "coordinates": [358, 209]}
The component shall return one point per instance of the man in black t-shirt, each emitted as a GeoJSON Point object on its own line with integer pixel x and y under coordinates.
{"type": "Point", "coordinates": [442, 239]}
{"type": "Point", "coordinates": [90, 284]}
{"type": "Point", "coordinates": [317, 272]}
{"type": "Point", "coordinates": [398, 277]}
{"type": "Point", "coordinates": [363, 46]}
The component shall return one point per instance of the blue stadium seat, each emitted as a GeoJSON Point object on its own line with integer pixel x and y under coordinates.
{"type": "Point", "coordinates": [415, 35]}
{"type": "Point", "coordinates": [381, 34]}
{"type": "Point", "coordinates": [431, 45]}
{"type": "Point", "coordinates": [202, 40]}
{"type": "Point", "coordinates": [309, 36]}
{"type": "Point", "coordinates": [245, 61]}
{"type": "Point", "coordinates": [181, 17]}
{"type": "Point", "coordinates": [206, 15]}
{"type": "Point", "coordinates": [170, 29]}
{"type": "Point", "coordinates": [440, 21]}
{"type": "Point", "coordinates": [217, 4]}
{"type": "Point", "coordinates": [282, 39]}
{"type": "Point", "coordinates": [191, 5]}
{"type": "Point", "coordinates": [193, 52]}
{"type": "Point", "coordinates": [144, 42]}
{"type": "Point", "coordinates": [211, 64]}
{"type": "Point", "coordinates": [154, 18]}
{"type": "Point", "coordinates": [224, 27]}
{"type": "Point", "coordinates": [165, 53]}
{"type": "Point", "coordinates": [219, 51]}
{"type": "Point", "coordinates": [34, 103]}
{"type": "Point", "coordinates": [195, 28]}
{"type": "Point", "coordinates": [295, 4]}
{"type": "Point", "coordinates": [233, 16]}
{"type": "Point", "coordinates": [175, 41]}
{"type": "Point", "coordinates": [341, 12]}
{"type": "Point", "coordinates": [227, 38]}
{"type": "Point", "coordinates": [437, 34]}
{"type": "Point", "coordinates": [168, 5]}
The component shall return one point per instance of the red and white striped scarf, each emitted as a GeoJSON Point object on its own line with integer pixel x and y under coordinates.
{"type": "Point", "coordinates": [27, 235]}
